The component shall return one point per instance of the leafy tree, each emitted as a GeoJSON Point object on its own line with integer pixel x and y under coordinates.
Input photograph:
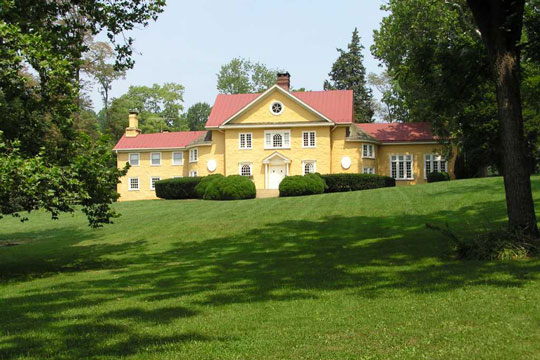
{"type": "Point", "coordinates": [348, 73]}
{"type": "Point", "coordinates": [45, 162]}
{"type": "Point", "coordinates": [98, 63]}
{"type": "Point", "coordinates": [197, 115]}
{"type": "Point", "coordinates": [391, 107]}
{"type": "Point", "coordinates": [241, 76]}
{"type": "Point", "coordinates": [501, 22]}
{"type": "Point", "coordinates": [159, 108]}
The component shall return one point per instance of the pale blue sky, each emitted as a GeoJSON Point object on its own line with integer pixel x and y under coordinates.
{"type": "Point", "coordinates": [192, 39]}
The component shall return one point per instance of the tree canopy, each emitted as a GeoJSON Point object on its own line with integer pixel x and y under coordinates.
{"type": "Point", "coordinates": [348, 73]}
{"type": "Point", "coordinates": [45, 162]}
{"type": "Point", "coordinates": [242, 76]}
{"type": "Point", "coordinates": [197, 115]}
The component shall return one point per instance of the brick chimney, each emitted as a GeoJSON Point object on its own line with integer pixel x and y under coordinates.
{"type": "Point", "coordinates": [133, 129]}
{"type": "Point", "coordinates": [284, 80]}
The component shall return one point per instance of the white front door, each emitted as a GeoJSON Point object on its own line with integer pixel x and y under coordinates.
{"type": "Point", "coordinates": [276, 173]}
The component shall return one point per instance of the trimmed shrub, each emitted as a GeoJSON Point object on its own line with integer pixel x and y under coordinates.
{"type": "Point", "coordinates": [436, 176]}
{"type": "Point", "coordinates": [200, 189]}
{"type": "Point", "coordinates": [178, 188]}
{"type": "Point", "coordinates": [302, 185]}
{"type": "Point", "coordinates": [353, 182]}
{"type": "Point", "coordinates": [232, 187]}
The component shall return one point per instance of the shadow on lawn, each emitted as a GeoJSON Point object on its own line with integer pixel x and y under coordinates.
{"type": "Point", "coordinates": [281, 261]}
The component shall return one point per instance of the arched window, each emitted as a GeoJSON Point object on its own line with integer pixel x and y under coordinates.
{"type": "Point", "coordinates": [277, 141]}
{"type": "Point", "coordinates": [245, 170]}
{"type": "Point", "coordinates": [309, 167]}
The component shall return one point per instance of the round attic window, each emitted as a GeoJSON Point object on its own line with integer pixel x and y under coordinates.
{"type": "Point", "coordinates": [276, 108]}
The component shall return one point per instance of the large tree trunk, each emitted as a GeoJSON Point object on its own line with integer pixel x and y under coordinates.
{"type": "Point", "coordinates": [501, 22]}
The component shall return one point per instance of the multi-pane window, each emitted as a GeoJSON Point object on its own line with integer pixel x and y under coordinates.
{"type": "Point", "coordinates": [153, 180]}
{"type": "Point", "coordinates": [193, 155]}
{"type": "Point", "coordinates": [277, 139]}
{"type": "Point", "coordinates": [134, 159]}
{"type": "Point", "coordinates": [245, 169]}
{"type": "Point", "coordinates": [368, 151]}
{"type": "Point", "coordinates": [177, 158]}
{"type": "Point", "coordinates": [369, 170]}
{"type": "Point", "coordinates": [155, 158]}
{"type": "Point", "coordinates": [401, 167]}
{"type": "Point", "coordinates": [193, 173]}
{"type": "Point", "coordinates": [133, 184]}
{"type": "Point", "coordinates": [309, 139]}
{"type": "Point", "coordinates": [245, 141]}
{"type": "Point", "coordinates": [308, 167]}
{"type": "Point", "coordinates": [433, 162]}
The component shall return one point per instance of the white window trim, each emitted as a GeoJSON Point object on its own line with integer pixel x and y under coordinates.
{"type": "Point", "coordinates": [273, 132]}
{"type": "Point", "coordinates": [372, 147]}
{"type": "Point", "coordinates": [309, 146]}
{"type": "Point", "coordinates": [138, 184]}
{"type": "Point", "coordinates": [405, 169]}
{"type": "Point", "coordinates": [151, 178]}
{"type": "Point", "coordinates": [282, 108]}
{"type": "Point", "coordinates": [160, 158]}
{"type": "Point", "coordinates": [129, 158]}
{"type": "Point", "coordinates": [239, 142]}
{"type": "Point", "coordinates": [441, 158]}
{"type": "Point", "coordinates": [240, 165]}
{"type": "Point", "coordinates": [172, 158]}
{"type": "Point", "coordinates": [191, 151]}
{"type": "Point", "coordinates": [193, 172]}
{"type": "Point", "coordinates": [314, 162]}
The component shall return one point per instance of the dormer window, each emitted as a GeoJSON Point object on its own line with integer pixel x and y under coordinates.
{"type": "Point", "coordinates": [276, 108]}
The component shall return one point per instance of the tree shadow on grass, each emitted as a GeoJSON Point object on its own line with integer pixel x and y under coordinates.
{"type": "Point", "coordinates": [281, 261]}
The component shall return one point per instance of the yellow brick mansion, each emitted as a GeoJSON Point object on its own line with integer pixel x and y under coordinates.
{"type": "Point", "coordinates": [277, 133]}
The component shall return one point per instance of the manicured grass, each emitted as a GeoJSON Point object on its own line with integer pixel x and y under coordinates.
{"type": "Point", "coordinates": [334, 276]}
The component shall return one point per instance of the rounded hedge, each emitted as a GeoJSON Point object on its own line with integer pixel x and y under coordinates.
{"type": "Point", "coordinates": [436, 176]}
{"type": "Point", "coordinates": [201, 188]}
{"type": "Point", "coordinates": [302, 185]}
{"type": "Point", "coordinates": [232, 187]}
{"type": "Point", "coordinates": [177, 188]}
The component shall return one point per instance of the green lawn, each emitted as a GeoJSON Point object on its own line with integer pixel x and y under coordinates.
{"type": "Point", "coordinates": [334, 276]}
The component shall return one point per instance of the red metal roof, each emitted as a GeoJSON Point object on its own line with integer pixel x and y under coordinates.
{"type": "Point", "coordinates": [178, 139]}
{"type": "Point", "coordinates": [397, 132]}
{"type": "Point", "coordinates": [336, 105]}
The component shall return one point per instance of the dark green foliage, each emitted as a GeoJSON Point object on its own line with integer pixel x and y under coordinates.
{"type": "Point", "coordinates": [353, 182]}
{"type": "Point", "coordinates": [436, 176]}
{"type": "Point", "coordinates": [201, 188]}
{"type": "Point", "coordinates": [488, 244]}
{"type": "Point", "coordinates": [45, 162]}
{"type": "Point", "coordinates": [241, 76]}
{"type": "Point", "coordinates": [197, 115]}
{"type": "Point", "coordinates": [302, 185]}
{"type": "Point", "coordinates": [178, 188]}
{"type": "Point", "coordinates": [349, 73]}
{"type": "Point", "coordinates": [232, 187]}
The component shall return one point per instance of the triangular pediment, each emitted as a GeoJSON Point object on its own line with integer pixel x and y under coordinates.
{"type": "Point", "coordinates": [259, 111]}
{"type": "Point", "coordinates": [276, 156]}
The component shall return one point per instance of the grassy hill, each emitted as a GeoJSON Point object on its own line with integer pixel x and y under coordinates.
{"type": "Point", "coordinates": [334, 276]}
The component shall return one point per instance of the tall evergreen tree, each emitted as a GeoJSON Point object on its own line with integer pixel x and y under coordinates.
{"type": "Point", "coordinates": [349, 73]}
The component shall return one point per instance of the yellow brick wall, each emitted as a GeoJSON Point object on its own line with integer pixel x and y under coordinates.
{"type": "Point", "coordinates": [234, 155]}
{"type": "Point", "coordinates": [206, 153]}
{"type": "Point", "coordinates": [418, 152]}
{"type": "Point", "coordinates": [342, 148]}
{"type": "Point", "coordinates": [292, 112]}
{"type": "Point", "coordinates": [145, 171]}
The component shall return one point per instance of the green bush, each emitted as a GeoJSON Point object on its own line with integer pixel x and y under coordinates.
{"type": "Point", "coordinates": [353, 182]}
{"type": "Point", "coordinates": [200, 189]}
{"type": "Point", "coordinates": [436, 176]}
{"type": "Point", "coordinates": [178, 188]}
{"type": "Point", "coordinates": [302, 185]}
{"type": "Point", "coordinates": [232, 187]}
